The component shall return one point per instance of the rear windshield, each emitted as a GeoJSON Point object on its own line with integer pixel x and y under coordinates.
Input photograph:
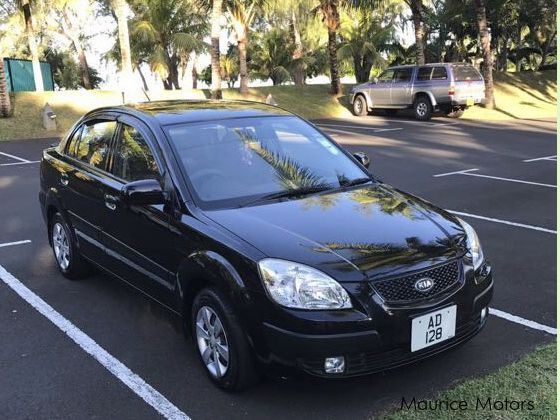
{"type": "Point", "coordinates": [465, 73]}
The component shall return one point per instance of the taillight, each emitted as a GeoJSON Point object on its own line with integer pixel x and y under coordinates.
{"type": "Point", "coordinates": [452, 90]}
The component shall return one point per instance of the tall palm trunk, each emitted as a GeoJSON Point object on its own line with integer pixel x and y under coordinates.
{"type": "Point", "coordinates": [5, 105]}
{"type": "Point", "coordinates": [482, 24]}
{"type": "Point", "coordinates": [299, 71]}
{"type": "Point", "coordinates": [74, 37]}
{"type": "Point", "coordinates": [417, 9]}
{"type": "Point", "coordinates": [37, 75]}
{"type": "Point", "coordinates": [241, 33]}
{"type": "Point", "coordinates": [216, 90]}
{"type": "Point", "coordinates": [332, 20]}
{"type": "Point", "coordinates": [119, 7]}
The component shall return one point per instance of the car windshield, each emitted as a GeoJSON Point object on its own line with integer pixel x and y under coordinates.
{"type": "Point", "coordinates": [241, 161]}
{"type": "Point", "coordinates": [465, 73]}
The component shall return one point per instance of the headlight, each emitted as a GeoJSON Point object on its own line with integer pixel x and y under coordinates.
{"type": "Point", "coordinates": [473, 244]}
{"type": "Point", "coordinates": [298, 286]}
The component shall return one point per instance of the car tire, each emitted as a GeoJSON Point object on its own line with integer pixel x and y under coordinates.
{"type": "Point", "coordinates": [391, 112]}
{"type": "Point", "coordinates": [359, 106]}
{"type": "Point", "coordinates": [457, 113]}
{"type": "Point", "coordinates": [66, 254]}
{"type": "Point", "coordinates": [422, 108]}
{"type": "Point", "coordinates": [227, 358]}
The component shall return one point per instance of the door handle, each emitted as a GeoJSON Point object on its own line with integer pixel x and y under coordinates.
{"type": "Point", "coordinates": [64, 178]}
{"type": "Point", "coordinates": [111, 201]}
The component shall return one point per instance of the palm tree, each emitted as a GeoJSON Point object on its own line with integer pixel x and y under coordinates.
{"type": "Point", "coordinates": [482, 25]}
{"type": "Point", "coordinates": [119, 9]}
{"type": "Point", "coordinates": [331, 18]}
{"type": "Point", "coordinates": [5, 106]}
{"type": "Point", "coordinates": [242, 14]}
{"type": "Point", "coordinates": [32, 42]}
{"type": "Point", "coordinates": [417, 9]}
{"type": "Point", "coordinates": [216, 88]}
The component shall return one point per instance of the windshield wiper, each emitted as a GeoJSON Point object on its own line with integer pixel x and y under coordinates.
{"type": "Point", "coordinates": [297, 192]}
{"type": "Point", "coordinates": [357, 181]}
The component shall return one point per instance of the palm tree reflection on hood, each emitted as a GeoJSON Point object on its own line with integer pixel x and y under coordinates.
{"type": "Point", "coordinates": [368, 199]}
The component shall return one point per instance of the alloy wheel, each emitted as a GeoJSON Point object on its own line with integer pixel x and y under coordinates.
{"type": "Point", "coordinates": [212, 341]}
{"type": "Point", "coordinates": [61, 246]}
{"type": "Point", "coordinates": [421, 108]}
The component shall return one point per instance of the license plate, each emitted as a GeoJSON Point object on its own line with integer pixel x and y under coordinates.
{"type": "Point", "coordinates": [470, 101]}
{"type": "Point", "coordinates": [433, 328]}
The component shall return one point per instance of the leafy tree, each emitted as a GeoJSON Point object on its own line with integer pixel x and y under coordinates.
{"type": "Point", "coordinates": [271, 56]}
{"type": "Point", "coordinates": [32, 43]}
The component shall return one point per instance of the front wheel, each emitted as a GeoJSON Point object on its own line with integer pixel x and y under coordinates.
{"type": "Point", "coordinates": [423, 108]}
{"type": "Point", "coordinates": [222, 345]}
{"type": "Point", "coordinates": [359, 107]}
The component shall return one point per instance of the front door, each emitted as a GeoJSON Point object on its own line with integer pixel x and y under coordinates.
{"type": "Point", "coordinates": [380, 92]}
{"type": "Point", "coordinates": [137, 237]}
{"type": "Point", "coordinates": [401, 91]}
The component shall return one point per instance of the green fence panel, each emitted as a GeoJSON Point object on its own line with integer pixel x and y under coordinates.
{"type": "Point", "coordinates": [19, 75]}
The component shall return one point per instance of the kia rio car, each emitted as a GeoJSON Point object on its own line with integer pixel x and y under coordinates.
{"type": "Point", "coordinates": [274, 244]}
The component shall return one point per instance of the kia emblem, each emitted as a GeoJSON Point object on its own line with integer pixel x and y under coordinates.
{"type": "Point", "coordinates": [424, 284]}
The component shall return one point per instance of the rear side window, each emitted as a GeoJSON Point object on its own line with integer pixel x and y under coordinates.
{"type": "Point", "coordinates": [465, 73]}
{"type": "Point", "coordinates": [403, 75]}
{"type": "Point", "coordinates": [94, 143]}
{"type": "Point", "coordinates": [424, 73]}
{"type": "Point", "coordinates": [439, 73]}
{"type": "Point", "coordinates": [431, 73]}
{"type": "Point", "coordinates": [133, 158]}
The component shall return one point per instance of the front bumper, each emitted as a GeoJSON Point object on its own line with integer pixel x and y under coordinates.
{"type": "Point", "coordinates": [372, 351]}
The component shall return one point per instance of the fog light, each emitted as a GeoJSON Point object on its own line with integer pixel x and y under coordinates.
{"type": "Point", "coordinates": [483, 314]}
{"type": "Point", "coordinates": [334, 364]}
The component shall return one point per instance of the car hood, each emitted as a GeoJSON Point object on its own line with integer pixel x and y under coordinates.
{"type": "Point", "coordinates": [351, 235]}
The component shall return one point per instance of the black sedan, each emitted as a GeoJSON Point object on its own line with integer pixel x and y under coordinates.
{"type": "Point", "coordinates": [274, 244]}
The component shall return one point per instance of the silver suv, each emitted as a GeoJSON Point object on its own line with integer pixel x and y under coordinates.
{"type": "Point", "coordinates": [438, 87]}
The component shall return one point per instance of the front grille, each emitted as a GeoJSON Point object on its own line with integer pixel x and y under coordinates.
{"type": "Point", "coordinates": [402, 290]}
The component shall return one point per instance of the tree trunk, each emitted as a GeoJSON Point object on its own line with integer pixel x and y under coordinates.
{"type": "Point", "coordinates": [74, 37]}
{"type": "Point", "coordinates": [5, 105]}
{"type": "Point", "coordinates": [518, 57]}
{"type": "Point", "coordinates": [486, 52]}
{"type": "Point", "coordinates": [139, 68]}
{"type": "Point", "coordinates": [332, 20]}
{"type": "Point", "coordinates": [119, 8]}
{"type": "Point", "coordinates": [194, 77]}
{"type": "Point", "coordinates": [241, 31]}
{"type": "Point", "coordinates": [299, 70]}
{"type": "Point", "coordinates": [216, 89]}
{"type": "Point", "coordinates": [37, 75]}
{"type": "Point", "coordinates": [417, 9]}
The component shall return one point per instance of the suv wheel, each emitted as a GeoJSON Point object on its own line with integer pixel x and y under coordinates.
{"type": "Point", "coordinates": [68, 259]}
{"type": "Point", "coordinates": [359, 107]}
{"type": "Point", "coordinates": [222, 346]}
{"type": "Point", "coordinates": [423, 108]}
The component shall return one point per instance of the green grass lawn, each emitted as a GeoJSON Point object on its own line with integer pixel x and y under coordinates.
{"type": "Point", "coordinates": [523, 95]}
{"type": "Point", "coordinates": [533, 378]}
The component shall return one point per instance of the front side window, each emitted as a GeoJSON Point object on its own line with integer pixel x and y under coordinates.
{"type": "Point", "coordinates": [94, 143]}
{"type": "Point", "coordinates": [403, 75]}
{"type": "Point", "coordinates": [71, 148]}
{"type": "Point", "coordinates": [133, 158]}
{"type": "Point", "coordinates": [229, 161]}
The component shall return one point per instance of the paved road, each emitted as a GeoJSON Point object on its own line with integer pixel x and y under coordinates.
{"type": "Point", "coordinates": [43, 374]}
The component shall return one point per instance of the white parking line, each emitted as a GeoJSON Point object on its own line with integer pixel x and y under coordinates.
{"type": "Point", "coordinates": [150, 395]}
{"type": "Point", "coordinates": [522, 321]}
{"type": "Point", "coordinates": [504, 222]}
{"type": "Point", "coordinates": [20, 163]}
{"type": "Point", "coordinates": [14, 157]}
{"type": "Point", "coordinates": [27, 241]}
{"type": "Point", "coordinates": [469, 172]}
{"type": "Point", "coordinates": [551, 158]}
{"type": "Point", "coordinates": [375, 130]}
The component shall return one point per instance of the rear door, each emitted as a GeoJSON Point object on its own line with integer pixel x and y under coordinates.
{"type": "Point", "coordinates": [137, 238]}
{"type": "Point", "coordinates": [380, 92]}
{"type": "Point", "coordinates": [82, 176]}
{"type": "Point", "coordinates": [469, 85]}
{"type": "Point", "coordinates": [401, 89]}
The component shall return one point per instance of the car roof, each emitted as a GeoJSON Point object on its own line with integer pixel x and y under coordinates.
{"type": "Point", "coordinates": [187, 111]}
{"type": "Point", "coordinates": [430, 64]}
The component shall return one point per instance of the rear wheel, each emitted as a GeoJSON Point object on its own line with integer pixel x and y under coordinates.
{"type": "Point", "coordinates": [222, 345]}
{"type": "Point", "coordinates": [68, 259]}
{"type": "Point", "coordinates": [359, 107]}
{"type": "Point", "coordinates": [422, 108]}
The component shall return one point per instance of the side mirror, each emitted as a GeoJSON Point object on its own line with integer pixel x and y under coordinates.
{"type": "Point", "coordinates": [362, 158]}
{"type": "Point", "coordinates": [144, 191]}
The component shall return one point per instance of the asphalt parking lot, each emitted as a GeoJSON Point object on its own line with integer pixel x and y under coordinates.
{"type": "Point", "coordinates": [500, 176]}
